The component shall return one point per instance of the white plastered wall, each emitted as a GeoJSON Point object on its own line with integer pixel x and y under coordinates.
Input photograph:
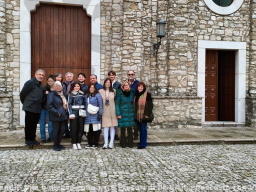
{"type": "Point", "coordinates": [26, 6]}
{"type": "Point", "coordinates": [240, 73]}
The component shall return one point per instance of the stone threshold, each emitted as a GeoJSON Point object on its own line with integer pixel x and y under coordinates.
{"type": "Point", "coordinates": [222, 124]}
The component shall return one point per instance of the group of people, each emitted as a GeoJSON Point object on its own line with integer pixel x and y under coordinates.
{"type": "Point", "coordinates": [89, 108]}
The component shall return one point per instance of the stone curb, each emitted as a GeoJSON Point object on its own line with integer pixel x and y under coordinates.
{"type": "Point", "coordinates": [150, 143]}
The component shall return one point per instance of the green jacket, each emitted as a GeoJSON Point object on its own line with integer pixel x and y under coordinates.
{"type": "Point", "coordinates": [124, 107]}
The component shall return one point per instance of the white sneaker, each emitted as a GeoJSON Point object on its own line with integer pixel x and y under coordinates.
{"type": "Point", "coordinates": [105, 146]}
{"type": "Point", "coordinates": [111, 145]}
{"type": "Point", "coordinates": [79, 146]}
{"type": "Point", "coordinates": [84, 137]}
{"type": "Point", "coordinates": [74, 147]}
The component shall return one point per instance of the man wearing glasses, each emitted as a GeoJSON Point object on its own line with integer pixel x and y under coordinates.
{"type": "Point", "coordinates": [131, 79]}
{"type": "Point", "coordinates": [133, 83]}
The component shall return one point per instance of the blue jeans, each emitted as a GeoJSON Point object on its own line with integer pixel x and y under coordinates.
{"type": "Point", "coordinates": [143, 133]}
{"type": "Point", "coordinates": [42, 120]}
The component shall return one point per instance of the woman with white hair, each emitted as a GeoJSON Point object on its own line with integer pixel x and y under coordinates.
{"type": "Point", "coordinates": [57, 107]}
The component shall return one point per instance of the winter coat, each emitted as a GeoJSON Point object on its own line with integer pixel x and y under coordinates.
{"type": "Point", "coordinates": [75, 99]}
{"type": "Point", "coordinates": [134, 84]}
{"type": "Point", "coordinates": [109, 118]}
{"type": "Point", "coordinates": [148, 107]}
{"type": "Point", "coordinates": [124, 107]}
{"type": "Point", "coordinates": [116, 85]}
{"type": "Point", "coordinates": [55, 107]}
{"type": "Point", "coordinates": [64, 89]}
{"type": "Point", "coordinates": [31, 96]}
{"type": "Point", "coordinates": [95, 101]}
{"type": "Point", "coordinates": [84, 88]}
{"type": "Point", "coordinates": [99, 86]}
{"type": "Point", "coordinates": [44, 100]}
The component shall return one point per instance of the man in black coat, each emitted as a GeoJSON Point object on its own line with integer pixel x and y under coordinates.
{"type": "Point", "coordinates": [115, 85]}
{"type": "Point", "coordinates": [31, 97]}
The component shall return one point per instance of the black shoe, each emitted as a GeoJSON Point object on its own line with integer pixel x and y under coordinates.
{"type": "Point", "coordinates": [56, 148]}
{"type": "Point", "coordinates": [44, 141]}
{"type": "Point", "coordinates": [66, 136]}
{"type": "Point", "coordinates": [123, 146]}
{"type": "Point", "coordinates": [29, 143]}
{"type": "Point", "coordinates": [88, 146]}
{"type": "Point", "coordinates": [116, 137]}
{"type": "Point", "coordinates": [94, 146]}
{"type": "Point", "coordinates": [61, 147]}
{"type": "Point", "coordinates": [140, 147]}
{"type": "Point", "coordinates": [36, 142]}
{"type": "Point", "coordinates": [49, 140]}
{"type": "Point", "coordinates": [135, 138]}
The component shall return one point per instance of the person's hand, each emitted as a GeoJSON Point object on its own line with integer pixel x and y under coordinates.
{"type": "Point", "coordinates": [46, 92]}
{"type": "Point", "coordinates": [72, 117]}
{"type": "Point", "coordinates": [119, 117]}
{"type": "Point", "coordinates": [99, 117]}
{"type": "Point", "coordinates": [146, 117]}
{"type": "Point", "coordinates": [59, 115]}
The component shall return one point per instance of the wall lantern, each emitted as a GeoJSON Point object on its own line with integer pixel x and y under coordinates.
{"type": "Point", "coordinates": [160, 27]}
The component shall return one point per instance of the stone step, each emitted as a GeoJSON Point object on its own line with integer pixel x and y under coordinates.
{"type": "Point", "coordinates": [222, 124]}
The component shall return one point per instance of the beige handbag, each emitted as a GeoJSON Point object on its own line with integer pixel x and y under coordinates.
{"type": "Point", "coordinates": [92, 109]}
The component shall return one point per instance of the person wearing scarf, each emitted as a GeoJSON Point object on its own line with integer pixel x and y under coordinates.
{"type": "Point", "coordinates": [57, 107]}
{"type": "Point", "coordinates": [143, 106]}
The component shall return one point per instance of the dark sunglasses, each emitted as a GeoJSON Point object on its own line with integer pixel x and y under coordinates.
{"type": "Point", "coordinates": [130, 74]}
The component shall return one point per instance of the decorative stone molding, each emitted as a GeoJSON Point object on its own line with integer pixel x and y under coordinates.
{"type": "Point", "coordinates": [224, 10]}
{"type": "Point", "coordinates": [92, 8]}
{"type": "Point", "coordinates": [240, 73]}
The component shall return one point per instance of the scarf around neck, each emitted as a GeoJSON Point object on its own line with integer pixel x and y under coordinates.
{"type": "Point", "coordinates": [64, 101]}
{"type": "Point", "coordinates": [69, 86]}
{"type": "Point", "coordinates": [141, 105]}
{"type": "Point", "coordinates": [126, 93]}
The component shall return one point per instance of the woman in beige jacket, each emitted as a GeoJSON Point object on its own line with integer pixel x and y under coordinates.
{"type": "Point", "coordinates": [109, 119]}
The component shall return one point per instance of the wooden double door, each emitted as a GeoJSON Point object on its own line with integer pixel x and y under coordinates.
{"type": "Point", "coordinates": [60, 40]}
{"type": "Point", "coordinates": [220, 86]}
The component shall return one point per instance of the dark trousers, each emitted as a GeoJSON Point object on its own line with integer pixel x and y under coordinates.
{"type": "Point", "coordinates": [123, 136]}
{"type": "Point", "coordinates": [143, 133]}
{"type": "Point", "coordinates": [31, 120]}
{"type": "Point", "coordinates": [68, 129]}
{"type": "Point", "coordinates": [58, 131]}
{"type": "Point", "coordinates": [93, 136]}
{"type": "Point", "coordinates": [77, 130]}
{"type": "Point", "coordinates": [136, 131]}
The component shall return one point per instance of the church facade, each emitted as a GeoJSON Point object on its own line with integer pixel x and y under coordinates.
{"type": "Point", "coordinates": [203, 73]}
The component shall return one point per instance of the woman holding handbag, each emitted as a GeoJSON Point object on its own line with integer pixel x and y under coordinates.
{"type": "Point", "coordinates": [77, 113]}
{"type": "Point", "coordinates": [94, 109]}
{"type": "Point", "coordinates": [109, 119]}
{"type": "Point", "coordinates": [143, 106]}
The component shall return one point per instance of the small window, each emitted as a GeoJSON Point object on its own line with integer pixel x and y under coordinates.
{"type": "Point", "coordinates": [223, 3]}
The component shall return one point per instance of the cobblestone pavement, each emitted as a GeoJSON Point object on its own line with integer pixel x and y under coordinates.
{"type": "Point", "coordinates": [157, 168]}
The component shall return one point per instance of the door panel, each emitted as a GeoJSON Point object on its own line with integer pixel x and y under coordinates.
{"type": "Point", "coordinates": [226, 85]}
{"type": "Point", "coordinates": [61, 40]}
{"type": "Point", "coordinates": [211, 86]}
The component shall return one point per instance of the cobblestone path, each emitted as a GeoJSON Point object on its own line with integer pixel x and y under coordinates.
{"type": "Point", "coordinates": [157, 168]}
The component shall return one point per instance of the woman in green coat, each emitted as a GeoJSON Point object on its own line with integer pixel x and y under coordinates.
{"type": "Point", "coordinates": [125, 112]}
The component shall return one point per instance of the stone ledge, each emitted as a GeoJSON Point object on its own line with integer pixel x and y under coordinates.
{"type": "Point", "coordinates": [176, 97]}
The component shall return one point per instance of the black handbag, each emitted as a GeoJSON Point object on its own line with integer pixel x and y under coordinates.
{"type": "Point", "coordinates": [150, 118]}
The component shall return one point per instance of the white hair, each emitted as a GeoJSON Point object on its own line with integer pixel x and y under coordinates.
{"type": "Point", "coordinates": [69, 73]}
{"type": "Point", "coordinates": [57, 83]}
{"type": "Point", "coordinates": [40, 70]}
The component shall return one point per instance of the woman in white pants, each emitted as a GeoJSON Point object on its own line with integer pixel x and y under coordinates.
{"type": "Point", "coordinates": [109, 119]}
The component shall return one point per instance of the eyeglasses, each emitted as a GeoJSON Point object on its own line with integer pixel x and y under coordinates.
{"type": "Point", "coordinates": [130, 74]}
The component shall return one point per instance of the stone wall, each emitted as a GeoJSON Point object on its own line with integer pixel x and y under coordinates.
{"type": "Point", "coordinates": [9, 64]}
{"type": "Point", "coordinates": [128, 32]}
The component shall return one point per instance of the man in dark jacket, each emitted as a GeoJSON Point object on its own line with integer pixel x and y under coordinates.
{"type": "Point", "coordinates": [133, 83]}
{"type": "Point", "coordinates": [31, 97]}
{"type": "Point", "coordinates": [132, 80]}
{"type": "Point", "coordinates": [115, 85]}
{"type": "Point", "coordinates": [93, 79]}
{"type": "Point", "coordinates": [81, 78]}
